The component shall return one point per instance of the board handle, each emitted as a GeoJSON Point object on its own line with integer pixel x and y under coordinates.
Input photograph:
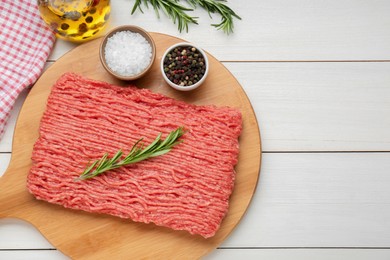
{"type": "Point", "coordinates": [5, 202]}
{"type": "Point", "coordinates": [14, 196]}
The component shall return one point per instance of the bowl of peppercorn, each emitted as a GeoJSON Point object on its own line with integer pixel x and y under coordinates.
{"type": "Point", "coordinates": [184, 66]}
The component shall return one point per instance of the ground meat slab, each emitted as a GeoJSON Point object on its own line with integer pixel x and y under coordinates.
{"type": "Point", "coordinates": [185, 189]}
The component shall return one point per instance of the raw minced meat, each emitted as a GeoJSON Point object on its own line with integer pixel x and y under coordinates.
{"type": "Point", "coordinates": [185, 189]}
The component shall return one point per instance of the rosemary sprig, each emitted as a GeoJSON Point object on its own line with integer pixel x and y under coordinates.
{"type": "Point", "coordinates": [172, 9]}
{"type": "Point", "coordinates": [137, 153]}
{"type": "Point", "coordinates": [178, 12]}
{"type": "Point", "coordinates": [218, 6]}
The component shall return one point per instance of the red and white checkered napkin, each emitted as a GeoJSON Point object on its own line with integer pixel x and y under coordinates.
{"type": "Point", "coordinates": [25, 44]}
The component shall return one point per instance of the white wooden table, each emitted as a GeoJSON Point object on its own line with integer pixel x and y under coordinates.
{"type": "Point", "coordinates": [318, 76]}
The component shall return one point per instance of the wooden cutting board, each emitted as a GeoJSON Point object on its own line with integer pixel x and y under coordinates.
{"type": "Point", "coordinates": [82, 235]}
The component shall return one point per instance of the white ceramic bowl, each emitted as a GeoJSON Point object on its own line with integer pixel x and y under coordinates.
{"type": "Point", "coordinates": [189, 87]}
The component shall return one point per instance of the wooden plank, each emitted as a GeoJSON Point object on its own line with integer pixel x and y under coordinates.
{"type": "Point", "coordinates": [299, 254]}
{"type": "Point", "coordinates": [310, 106]}
{"type": "Point", "coordinates": [233, 254]}
{"type": "Point", "coordinates": [278, 30]}
{"type": "Point", "coordinates": [319, 200]}
{"type": "Point", "coordinates": [302, 200]}
{"type": "Point", "coordinates": [319, 106]}
{"type": "Point", "coordinates": [4, 161]}
{"type": "Point", "coordinates": [35, 254]}
{"type": "Point", "coordinates": [17, 234]}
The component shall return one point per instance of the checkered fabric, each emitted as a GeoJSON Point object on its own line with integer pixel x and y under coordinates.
{"type": "Point", "coordinates": [25, 44]}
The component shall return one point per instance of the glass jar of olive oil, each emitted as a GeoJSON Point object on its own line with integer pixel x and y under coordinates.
{"type": "Point", "coordinates": [75, 20]}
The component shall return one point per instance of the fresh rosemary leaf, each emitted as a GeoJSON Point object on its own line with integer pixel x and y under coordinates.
{"type": "Point", "coordinates": [218, 6]}
{"type": "Point", "coordinates": [137, 153]}
{"type": "Point", "coordinates": [175, 11]}
{"type": "Point", "coordinates": [178, 12]}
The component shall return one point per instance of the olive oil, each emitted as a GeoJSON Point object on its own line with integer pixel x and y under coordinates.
{"type": "Point", "coordinates": [75, 20]}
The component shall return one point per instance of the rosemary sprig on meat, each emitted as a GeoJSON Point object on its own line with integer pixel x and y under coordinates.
{"type": "Point", "coordinates": [137, 153]}
{"type": "Point", "coordinates": [178, 13]}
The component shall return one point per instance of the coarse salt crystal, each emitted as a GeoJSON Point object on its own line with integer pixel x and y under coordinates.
{"type": "Point", "coordinates": [127, 53]}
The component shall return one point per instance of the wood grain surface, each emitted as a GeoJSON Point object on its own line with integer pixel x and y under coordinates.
{"type": "Point", "coordinates": [81, 235]}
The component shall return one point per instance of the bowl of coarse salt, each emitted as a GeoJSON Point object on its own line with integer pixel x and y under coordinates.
{"type": "Point", "coordinates": [127, 52]}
